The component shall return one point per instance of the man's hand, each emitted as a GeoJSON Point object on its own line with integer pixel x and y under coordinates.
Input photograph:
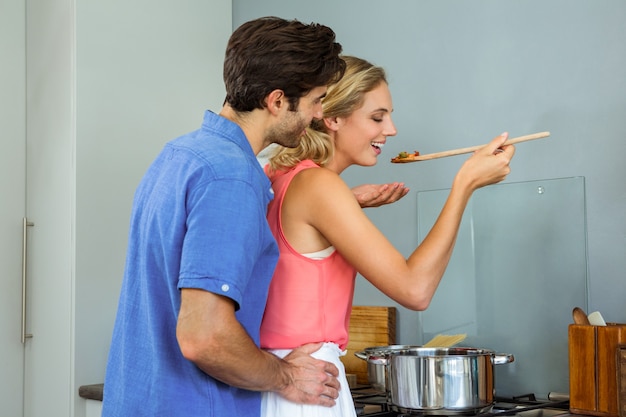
{"type": "Point", "coordinates": [376, 195]}
{"type": "Point", "coordinates": [311, 381]}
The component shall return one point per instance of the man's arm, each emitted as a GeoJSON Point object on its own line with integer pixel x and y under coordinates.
{"type": "Point", "coordinates": [210, 336]}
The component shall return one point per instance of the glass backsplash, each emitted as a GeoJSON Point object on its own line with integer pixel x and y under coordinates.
{"type": "Point", "coordinates": [518, 269]}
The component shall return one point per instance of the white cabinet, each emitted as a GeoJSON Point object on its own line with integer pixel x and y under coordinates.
{"type": "Point", "coordinates": [93, 408]}
{"type": "Point", "coordinates": [12, 201]}
{"type": "Point", "coordinates": [104, 86]}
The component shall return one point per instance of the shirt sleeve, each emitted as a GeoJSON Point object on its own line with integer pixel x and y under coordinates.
{"type": "Point", "coordinates": [221, 243]}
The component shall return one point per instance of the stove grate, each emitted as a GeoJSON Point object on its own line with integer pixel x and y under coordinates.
{"type": "Point", "coordinates": [373, 404]}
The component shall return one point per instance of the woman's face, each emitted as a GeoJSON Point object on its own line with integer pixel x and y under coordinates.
{"type": "Point", "coordinates": [360, 137]}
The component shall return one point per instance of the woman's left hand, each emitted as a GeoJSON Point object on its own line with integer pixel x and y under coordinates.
{"type": "Point", "coordinates": [376, 195]}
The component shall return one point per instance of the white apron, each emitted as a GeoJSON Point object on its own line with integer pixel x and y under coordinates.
{"type": "Point", "coordinates": [273, 405]}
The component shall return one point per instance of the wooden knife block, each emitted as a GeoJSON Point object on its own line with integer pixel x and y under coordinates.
{"type": "Point", "coordinates": [597, 368]}
{"type": "Point", "coordinates": [369, 327]}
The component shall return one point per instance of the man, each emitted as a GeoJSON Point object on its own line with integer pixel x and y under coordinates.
{"type": "Point", "coordinates": [200, 254]}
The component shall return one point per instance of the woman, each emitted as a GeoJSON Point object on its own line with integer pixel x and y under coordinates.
{"type": "Point", "coordinates": [325, 238]}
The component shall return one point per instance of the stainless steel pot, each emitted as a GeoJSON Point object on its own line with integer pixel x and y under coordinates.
{"type": "Point", "coordinates": [377, 358]}
{"type": "Point", "coordinates": [443, 380]}
{"type": "Point", "coordinates": [434, 380]}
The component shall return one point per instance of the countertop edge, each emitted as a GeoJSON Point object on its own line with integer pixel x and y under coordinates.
{"type": "Point", "coordinates": [91, 392]}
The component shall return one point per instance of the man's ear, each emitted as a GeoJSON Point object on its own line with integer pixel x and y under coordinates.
{"type": "Point", "coordinates": [332, 123]}
{"type": "Point", "coordinates": [276, 101]}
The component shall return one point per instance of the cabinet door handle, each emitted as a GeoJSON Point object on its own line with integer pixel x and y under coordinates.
{"type": "Point", "coordinates": [25, 225]}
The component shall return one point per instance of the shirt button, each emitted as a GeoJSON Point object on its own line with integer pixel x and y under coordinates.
{"type": "Point", "coordinates": [225, 287]}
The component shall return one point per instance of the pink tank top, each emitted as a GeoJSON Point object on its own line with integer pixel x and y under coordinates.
{"type": "Point", "coordinates": [309, 300]}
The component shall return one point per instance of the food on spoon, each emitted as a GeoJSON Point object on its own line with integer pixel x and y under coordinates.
{"type": "Point", "coordinates": [405, 156]}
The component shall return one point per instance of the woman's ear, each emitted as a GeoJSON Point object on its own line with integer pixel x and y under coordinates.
{"type": "Point", "coordinates": [332, 123]}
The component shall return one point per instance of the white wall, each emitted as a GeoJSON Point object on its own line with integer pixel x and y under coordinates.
{"type": "Point", "coordinates": [146, 71]}
{"type": "Point", "coordinates": [145, 74]}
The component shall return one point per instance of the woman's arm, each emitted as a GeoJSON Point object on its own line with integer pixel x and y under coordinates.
{"type": "Point", "coordinates": [319, 202]}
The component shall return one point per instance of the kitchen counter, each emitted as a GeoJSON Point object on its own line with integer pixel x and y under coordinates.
{"type": "Point", "coordinates": [91, 392]}
{"type": "Point", "coordinates": [94, 392]}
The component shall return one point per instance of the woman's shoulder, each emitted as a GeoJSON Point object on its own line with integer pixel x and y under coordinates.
{"type": "Point", "coordinates": [314, 173]}
{"type": "Point", "coordinates": [319, 181]}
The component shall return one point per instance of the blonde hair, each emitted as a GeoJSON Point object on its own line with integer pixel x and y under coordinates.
{"type": "Point", "coordinates": [341, 100]}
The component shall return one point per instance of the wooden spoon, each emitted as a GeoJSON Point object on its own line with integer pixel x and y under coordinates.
{"type": "Point", "coordinates": [580, 317]}
{"type": "Point", "coordinates": [453, 152]}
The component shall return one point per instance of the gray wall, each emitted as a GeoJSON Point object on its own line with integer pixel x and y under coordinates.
{"type": "Point", "coordinates": [462, 72]}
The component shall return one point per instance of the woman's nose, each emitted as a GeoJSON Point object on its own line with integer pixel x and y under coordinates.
{"type": "Point", "coordinates": [390, 130]}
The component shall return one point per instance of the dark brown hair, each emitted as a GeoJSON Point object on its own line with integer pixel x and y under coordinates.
{"type": "Point", "coordinates": [272, 53]}
{"type": "Point", "coordinates": [342, 99]}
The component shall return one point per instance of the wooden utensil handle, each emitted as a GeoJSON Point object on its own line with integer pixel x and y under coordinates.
{"type": "Point", "coordinates": [475, 148]}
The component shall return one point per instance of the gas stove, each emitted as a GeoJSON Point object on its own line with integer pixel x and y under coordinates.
{"type": "Point", "coordinates": [370, 403]}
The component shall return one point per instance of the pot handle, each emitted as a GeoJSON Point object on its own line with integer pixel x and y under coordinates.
{"type": "Point", "coordinates": [361, 355]}
{"type": "Point", "coordinates": [502, 358]}
{"type": "Point", "coordinates": [374, 360]}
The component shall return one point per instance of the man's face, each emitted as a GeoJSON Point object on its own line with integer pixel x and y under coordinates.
{"type": "Point", "coordinates": [293, 123]}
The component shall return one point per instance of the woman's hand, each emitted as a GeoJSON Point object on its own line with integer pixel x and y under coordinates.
{"type": "Point", "coordinates": [376, 195]}
{"type": "Point", "coordinates": [488, 165]}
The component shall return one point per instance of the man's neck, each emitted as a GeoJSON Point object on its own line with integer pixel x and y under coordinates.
{"type": "Point", "coordinates": [251, 124]}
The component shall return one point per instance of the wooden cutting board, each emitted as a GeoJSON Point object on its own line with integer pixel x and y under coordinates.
{"type": "Point", "coordinates": [369, 327]}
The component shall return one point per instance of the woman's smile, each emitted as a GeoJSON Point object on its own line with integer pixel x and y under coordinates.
{"type": "Point", "coordinates": [378, 147]}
